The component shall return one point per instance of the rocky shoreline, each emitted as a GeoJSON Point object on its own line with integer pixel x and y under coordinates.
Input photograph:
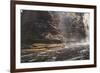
{"type": "Point", "coordinates": [55, 54]}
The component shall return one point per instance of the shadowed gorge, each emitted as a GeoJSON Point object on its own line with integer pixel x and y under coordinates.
{"type": "Point", "coordinates": [50, 35]}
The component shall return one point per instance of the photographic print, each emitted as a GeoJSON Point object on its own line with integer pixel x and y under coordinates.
{"type": "Point", "coordinates": [51, 36]}
{"type": "Point", "coordinates": [54, 36]}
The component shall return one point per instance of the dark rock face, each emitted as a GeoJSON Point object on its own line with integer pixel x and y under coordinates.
{"type": "Point", "coordinates": [38, 26]}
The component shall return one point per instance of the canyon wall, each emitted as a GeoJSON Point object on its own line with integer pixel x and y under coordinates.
{"type": "Point", "coordinates": [52, 27]}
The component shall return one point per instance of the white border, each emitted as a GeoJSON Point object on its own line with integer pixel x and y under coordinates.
{"type": "Point", "coordinates": [59, 63]}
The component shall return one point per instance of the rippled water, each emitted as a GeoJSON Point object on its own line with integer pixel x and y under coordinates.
{"type": "Point", "coordinates": [55, 54]}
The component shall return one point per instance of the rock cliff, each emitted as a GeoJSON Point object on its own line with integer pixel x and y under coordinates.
{"type": "Point", "coordinates": [51, 27]}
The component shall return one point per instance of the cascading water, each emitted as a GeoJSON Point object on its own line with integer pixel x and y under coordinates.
{"type": "Point", "coordinates": [66, 21]}
{"type": "Point", "coordinates": [86, 25]}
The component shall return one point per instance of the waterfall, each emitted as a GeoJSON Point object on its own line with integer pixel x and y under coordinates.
{"type": "Point", "coordinates": [67, 22]}
{"type": "Point", "coordinates": [86, 25]}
